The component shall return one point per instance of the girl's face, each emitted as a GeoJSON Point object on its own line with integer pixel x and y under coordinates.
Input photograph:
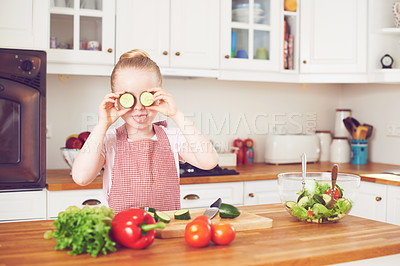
{"type": "Point", "coordinates": [136, 82]}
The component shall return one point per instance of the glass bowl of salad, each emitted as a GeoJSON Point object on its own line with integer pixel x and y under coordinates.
{"type": "Point", "coordinates": [309, 203]}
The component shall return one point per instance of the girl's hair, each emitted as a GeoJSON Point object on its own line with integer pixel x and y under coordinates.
{"type": "Point", "coordinates": [137, 60]}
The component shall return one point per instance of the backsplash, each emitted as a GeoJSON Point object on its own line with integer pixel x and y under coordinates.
{"type": "Point", "coordinates": [223, 110]}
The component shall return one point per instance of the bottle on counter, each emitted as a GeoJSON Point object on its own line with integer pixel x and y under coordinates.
{"type": "Point", "coordinates": [240, 151]}
{"type": "Point", "coordinates": [340, 150]}
{"type": "Point", "coordinates": [249, 151]}
{"type": "Point", "coordinates": [340, 129]}
{"type": "Point", "coordinates": [325, 140]}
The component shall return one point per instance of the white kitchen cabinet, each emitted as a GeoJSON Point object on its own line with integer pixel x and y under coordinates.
{"type": "Point", "coordinates": [393, 205]}
{"type": "Point", "coordinates": [23, 24]}
{"type": "Point", "coordinates": [261, 192]}
{"type": "Point", "coordinates": [333, 36]}
{"type": "Point", "coordinates": [371, 201]}
{"type": "Point", "coordinates": [81, 37]}
{"type": "Point", "coordinates": [23, 205]}
{"type": "Point", "coordinates": [203, 195]}
{"type": "Point", "coordinates": [250, 35]}
{"type": "Point", "coordinates": [179, 35]}
{"type": "Point", "coordinates": [58, 201]}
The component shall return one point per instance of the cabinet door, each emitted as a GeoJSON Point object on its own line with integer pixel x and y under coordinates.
{"type": "Point", "coordinates": [23, 205]}
{"type": "Point", "coordinates": [203, 195]}
{"type": "Point", "coordinates": [261, 192]}
{"type": "Point", "coordinates": [393, 205]}
{"type": "Point", "coordinates": [81, 33]}
{"type": "Point", "coordinates": [250, 35]}
{"type": "Point", "coordinates": [371, 201]}
{"type": "Point", "coordinates": [58, 201]}
{"type": "Point", "coordinates": [194, 33]}
{"type": "Point", "coordinates": [144, 24]}
{"type": "Point", "coordinates": [23, 24]}
{"type": "Point", "coordinates": [333, 36]}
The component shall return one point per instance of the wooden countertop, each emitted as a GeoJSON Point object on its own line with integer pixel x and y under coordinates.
{"type": "Point", "coordinates": [59, 179]}
{"type": "Point", "coordinates": [288, 242]}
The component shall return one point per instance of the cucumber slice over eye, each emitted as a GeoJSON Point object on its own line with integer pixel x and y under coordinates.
{"type": "Point", "coordinates": [146, 98]}
{"type": "Point", "coordinates": [127, 100]}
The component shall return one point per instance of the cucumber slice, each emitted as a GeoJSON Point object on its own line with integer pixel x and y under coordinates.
{"type": "Point", "coordinates": [146, 98]}
{"type": "Point", "coordinates": [326, 198]}
{"type": "Point", "coordinates": [162, 217]}
{"type": "Point", "coordinates": [290, 204]}
{"type": "Point", "coordinates": [302, 202]}
{"type": "Point", "coordinates": [228, 211]}
{"type": "Point", "coordinates": [183, 214]}
{"type": "Point", "coordinates": [127, 100]}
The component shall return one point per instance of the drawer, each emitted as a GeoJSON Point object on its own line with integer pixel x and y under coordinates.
{"type": "Point", "coordinates": [202, 195]}
{"type": "Point", "coordinates": [23, 205]}
{"type": "Point", "coordinates": [261, 192]}
{"type": "Point", "coordinates": [58, 201]}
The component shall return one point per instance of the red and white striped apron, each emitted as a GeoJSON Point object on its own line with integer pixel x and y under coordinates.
{"type": "Point", "coordinates": [144, 173]}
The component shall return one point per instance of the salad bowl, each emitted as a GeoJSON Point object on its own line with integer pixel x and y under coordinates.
{"type": "Point", "coordinates": [308, 202]}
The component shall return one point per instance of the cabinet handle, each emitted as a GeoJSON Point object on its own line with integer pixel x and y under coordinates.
{"type": "Point", "coordinates": [378, 198]}
{"type": "Point", "coordinates": [227, 56]}
{"type": "Point", "coordinates": [109, 50]}
{"type": "Point", "coordinates": [91, 202]}
{"type": "Point", "coordinates": [304, 61]}
{"type": "Point", "coordinates": [191, 197]}
{"type": "Point", "coordinates": [251, 195]}
{"type": "Point", "coordinates": [177, 53]}
{"type": "Point", "coordinates": [165, 53]}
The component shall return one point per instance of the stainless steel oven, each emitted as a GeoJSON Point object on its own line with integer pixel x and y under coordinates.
{"type": "Point", "coordinates": [22, 119]}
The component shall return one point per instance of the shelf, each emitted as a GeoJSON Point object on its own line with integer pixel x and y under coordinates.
{"type": "Point", "coordinates": [391, 30]}
{"type": "Point", "coordinates": [246, 26]}
{"type": "Point", "coordinates": [289, 13]}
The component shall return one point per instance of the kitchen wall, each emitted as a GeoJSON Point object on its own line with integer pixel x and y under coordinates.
{"type": "Point", "coordinates": [378, 105]}
{"type": "Point", "coordinates": [223, 110]}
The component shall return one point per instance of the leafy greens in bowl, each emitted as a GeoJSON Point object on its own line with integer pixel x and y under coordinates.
{"type": "Point", "coordinates": [310, 203]}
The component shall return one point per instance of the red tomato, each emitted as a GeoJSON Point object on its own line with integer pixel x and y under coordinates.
{"type": "Point", "coordinates": [198, 233]}
{"type": "Point", "coordinates": [310, 213]}
{"type": "Point", "coordinates": [222, 233]}
{"type": "Point", "coordinates": [203, 218]}
{"type": "Point", "coordinates": [336, 195]}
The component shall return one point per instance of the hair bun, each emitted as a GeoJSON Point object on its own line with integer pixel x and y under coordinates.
{"type": "Point", "coordinates": [136, 53]}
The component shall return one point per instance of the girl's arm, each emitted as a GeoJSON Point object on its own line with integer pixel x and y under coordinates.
{"type": "Point", "coordinates": [89, 160]}
{"type": "Point", "coordinates": [197, 150]}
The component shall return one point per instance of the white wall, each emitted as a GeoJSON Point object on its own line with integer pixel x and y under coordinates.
{"type": "Point", "coordinates": [223, 110]}
{"type": "Point", "coordinates": [378, 105]}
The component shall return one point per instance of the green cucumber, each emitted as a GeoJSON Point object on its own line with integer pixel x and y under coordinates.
{"type": "Point", "coordinates": [326, 198]}
{"type": "Point", "coordinates": [162, 217]}
{"type": "Point", "coordinates": [127, 100]}
{"type": "Point", "coordinates": [290, 204]}
{"type": "Point", "coordinates": [146, 98]}
{"type": "Point", "coordinates": [183, 214]}
{"type": "Point", "coordinates": [228, 211]}
{"type": "Point", "coordinates": [303, 201]}
{"type": "Point", "coordinates": [148, 209]}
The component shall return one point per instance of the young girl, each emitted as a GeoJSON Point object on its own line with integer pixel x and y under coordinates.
{"type": "Point", "coordinates": [140, 158]}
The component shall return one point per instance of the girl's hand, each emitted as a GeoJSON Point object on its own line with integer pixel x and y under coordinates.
{"type": "Point", "coordinates": [108, 112]}
{"type": "Point", "coordinates": [163, 102]}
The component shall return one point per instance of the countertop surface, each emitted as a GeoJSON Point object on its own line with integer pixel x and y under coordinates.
{"type": "Point", "coordinates": [288, 242]}
{"type": "Point", "coordinates": [60, 179]}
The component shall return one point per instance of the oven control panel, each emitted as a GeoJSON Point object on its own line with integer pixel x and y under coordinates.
{"type": "Point", "coordinates": [20, 65]}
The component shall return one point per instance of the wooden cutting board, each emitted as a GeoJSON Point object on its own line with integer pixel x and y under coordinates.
{"type": "Point", "coordinates": [245, 221]}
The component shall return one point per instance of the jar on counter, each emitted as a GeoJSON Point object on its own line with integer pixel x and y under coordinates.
{"type": "Point", "coordinates": [340, 150]}
{"type": "Point", "coordinates": [325, 139]}
{"type": "Point", "coordinates": [340, 129]}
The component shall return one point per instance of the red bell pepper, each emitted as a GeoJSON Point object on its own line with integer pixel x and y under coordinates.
{"type": "Point", "coordinates": [134, 228]}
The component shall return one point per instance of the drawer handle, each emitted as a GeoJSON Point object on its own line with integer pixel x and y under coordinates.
{"type": "Point", "coordinates": [91, 202]}
{"type": "Point", "coordinates": [251, 195]}
{"type": "Point", "coordinates": [191, 197]}
{"type": "Point", "coordinates": [378, 198]}
{"type": "Point", "coordinates": [227, 56]}
{"type": "Point", "coordinates": [177, 53]}
{"type": "Point", "coordinates": [109, 50]}
{"type": "Point", "coordinates": [165, 53]}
